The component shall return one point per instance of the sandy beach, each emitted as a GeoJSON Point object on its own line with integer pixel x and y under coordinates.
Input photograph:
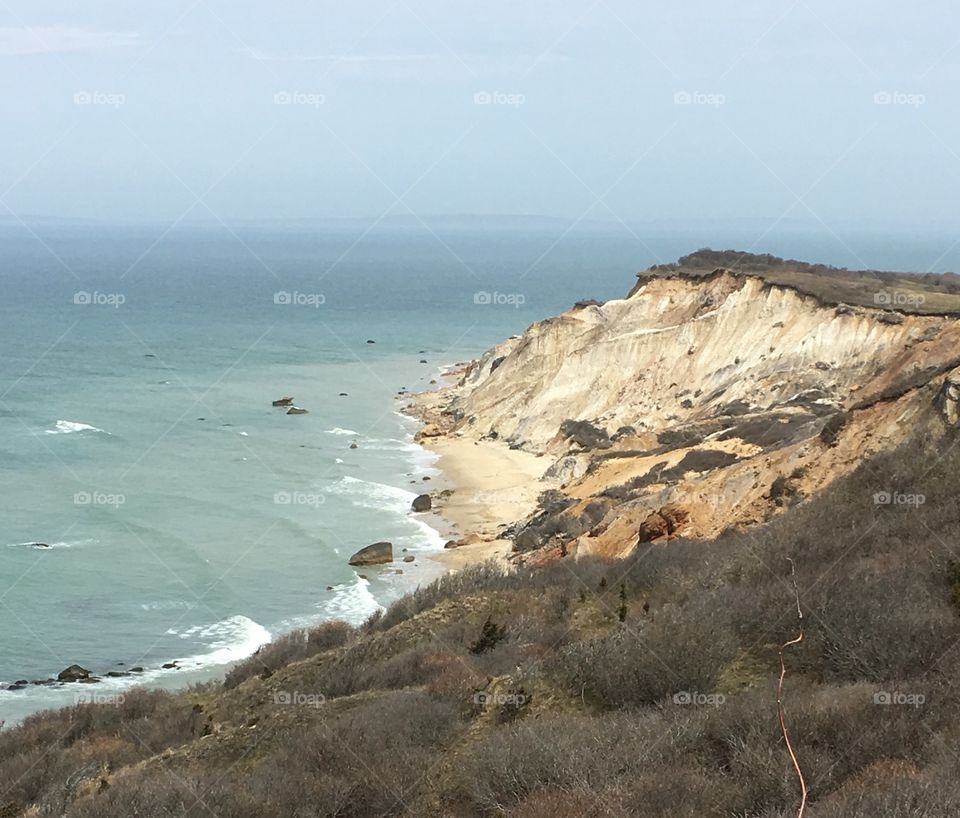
{"type": "Point", "coordinates": [492, 486]}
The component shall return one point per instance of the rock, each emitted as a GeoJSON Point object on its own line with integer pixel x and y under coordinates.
{"type": "Point", "coordinates": [136, 669]}
{"type": "Point", "coordinates": [343, 395]}
{"type": "Point", "coordinates": [284, 401]}
{"type": "Point", "coordinates": [370, 342]}
{"type": "Point", "coordinates": [425, 479]}
{"type": "Point", "coordinates": [375, 554]}
{"type": "Point", "coordinates": [423, 360]}
{"type": "Point", "coordinates": [353, 446]}
{"type": "Point", "coordinates": [296, 410]}
{"type": "Point", "coordinates": [37, 545]}
{"type": "Point", "coordinates": [585, 434]}
{"type": "Point", "coordinates": [169, 666]}
{"type": "Point", "coordinates": [887, 317]}
{"type": "Point", "coordinates": [329, 587]}
{"type": "Point", "coordinates": [116, 674]}
{"type": "Point", "coordinates": [409, 558]}
{"type": "Point", "coordinates": [666, 522]}
{"type": "Point", "coordinates": [422, 502]}
{"type": "Point", "coordinates": [470, 539]}
{"type": "Point", "coordinates": [566, 469]}
{"type": "Point", "coordinates": [587, 302]}
{"type": "Point", "coordinates": [74, 673]}
{"type": "Point", "coordinates": [430, 430]}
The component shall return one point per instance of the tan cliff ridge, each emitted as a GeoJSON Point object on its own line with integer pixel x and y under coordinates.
{"type": "Point", "coordinates": [705, 400]}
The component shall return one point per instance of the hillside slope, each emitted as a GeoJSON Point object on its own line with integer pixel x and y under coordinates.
{"type": "Point", "coordinates": [606, 688]}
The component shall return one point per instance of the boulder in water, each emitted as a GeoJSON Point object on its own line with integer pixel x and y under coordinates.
{"type": "Point", "coordinates": [284, 401]}
{"type": "Point", "coordinates": [376, 554]}
{"type": "Point", "coordinates": [74, 673]}
{"type": "Point", "coordinates": [296, 410]}
{"type": "Point", "coordinates": [422, 502]}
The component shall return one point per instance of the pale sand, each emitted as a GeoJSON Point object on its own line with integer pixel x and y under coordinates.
{"type": "Point", "coordinates": [493, 486]}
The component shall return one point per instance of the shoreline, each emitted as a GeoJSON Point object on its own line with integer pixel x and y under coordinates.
{"type": "Point", "coordinates": [492, 487]}
{"type": "Point", "coordinates": [482, 487]}
{"type": "Point", "coordinates": [488, 485]}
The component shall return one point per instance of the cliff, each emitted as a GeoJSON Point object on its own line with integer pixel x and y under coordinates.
{"type": "Point", "coordinates": [724, 396]}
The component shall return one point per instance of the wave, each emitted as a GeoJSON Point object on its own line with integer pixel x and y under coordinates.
{"type": "Point", "coordinates": [354, 603]}
{"type": "Point", "coordinates": [44, 546]}
{"type": "Point", "coordinates": [368, 494]}
{"type": "Point", "coordinates": [167, 605]}
{"type": "Point", "coordinates": [69, 427]}
{"type": "Point", "coordinates": [392, 444]}
{"type": "Point", "coordinates": [336, 430]}
{"type": "Point", "coordinates": [230, 640]}
{"type": "Point", "coordinates": [434, 539]}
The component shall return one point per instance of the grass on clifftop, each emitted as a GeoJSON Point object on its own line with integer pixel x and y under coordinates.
{"type": "Point", "coordinates": [920, 293]}
{"type": "Point", "coordinates": [524, 695]}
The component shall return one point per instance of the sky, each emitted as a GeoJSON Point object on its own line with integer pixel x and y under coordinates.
{"type": "Point", "coordinates": [818, 111]}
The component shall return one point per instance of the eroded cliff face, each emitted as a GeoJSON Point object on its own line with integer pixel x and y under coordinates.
{"type": "Point", "coordinates": [696, 404]}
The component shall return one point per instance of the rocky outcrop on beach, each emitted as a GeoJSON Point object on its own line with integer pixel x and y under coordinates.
{"type": "Point", "coordinates": [723, 394]}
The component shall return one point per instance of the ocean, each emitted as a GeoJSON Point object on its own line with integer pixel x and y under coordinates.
{"type": "Point", "coordinates": [187, 519]}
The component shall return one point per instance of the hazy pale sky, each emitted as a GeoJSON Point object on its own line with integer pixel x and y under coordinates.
{"type": "Point", "coordinates": [813, 110]}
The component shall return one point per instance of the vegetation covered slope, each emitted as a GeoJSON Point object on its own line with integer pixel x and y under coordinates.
{"type": "Point", "coordinates": [907, 292]}
{"type": "Point", "coordinates": [643, 686]}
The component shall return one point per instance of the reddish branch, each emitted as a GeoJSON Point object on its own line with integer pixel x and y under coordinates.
{"type": "Point", "coordinates": [780, 710]}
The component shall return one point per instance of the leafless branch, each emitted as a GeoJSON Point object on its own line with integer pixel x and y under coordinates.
{"type": "Point", "coordinates": [780, 711]}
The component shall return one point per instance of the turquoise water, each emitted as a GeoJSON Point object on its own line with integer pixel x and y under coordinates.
{"type": "Point", "coordinates": [187, 519]}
